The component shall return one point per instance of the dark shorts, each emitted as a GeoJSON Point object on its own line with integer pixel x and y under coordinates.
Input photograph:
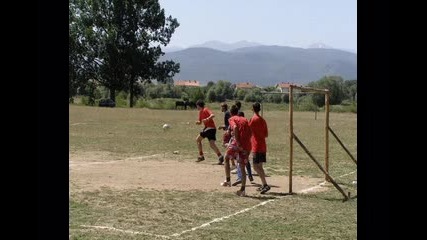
{"type": "Point", "coordinates": [210, 134]}
{"type": "Point", "coordinates": [259, 157]}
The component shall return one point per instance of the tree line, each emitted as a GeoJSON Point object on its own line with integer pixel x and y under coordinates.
{"type": "Point", "coordinates": [340, 91]}
{"type": "Point", "coordinates": [115, 46]}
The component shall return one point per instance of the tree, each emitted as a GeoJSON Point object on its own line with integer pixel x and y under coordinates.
{"type": "Point", "coordinates": [350, 89]}
{"type": "Point", "coordinates": [223, 90]}
{"type": "Point", "coordinates": [335, 86]}
{"type": "Point", "coordinates": [121, 42]}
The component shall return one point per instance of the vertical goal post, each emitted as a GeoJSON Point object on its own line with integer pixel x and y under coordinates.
{"type": "Point", "coordinates": [302, 89]}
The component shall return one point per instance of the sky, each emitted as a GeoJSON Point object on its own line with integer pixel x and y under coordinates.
{"type": "Point", "coordinates": [294, 23]}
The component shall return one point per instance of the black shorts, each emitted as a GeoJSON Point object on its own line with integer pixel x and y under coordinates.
{"type": "Point", "coordinates": [210, 134]}
{"type": "Point", "coordinates": [259, 157]}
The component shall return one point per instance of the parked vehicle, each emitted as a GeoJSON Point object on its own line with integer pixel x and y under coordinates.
{"type": "Point", "coordinates": [106, 102]}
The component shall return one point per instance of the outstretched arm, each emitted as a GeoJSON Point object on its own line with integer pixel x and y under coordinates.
{"type": "Point", "coordinates": [208, 118]}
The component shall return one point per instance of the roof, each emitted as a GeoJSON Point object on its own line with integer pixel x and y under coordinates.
{"type": "Point", "coordinates": [191, 83]}
{"type": "Point", "coordinates": [286, 85]}
{"type": "Point", "coordinates": [245, 85]}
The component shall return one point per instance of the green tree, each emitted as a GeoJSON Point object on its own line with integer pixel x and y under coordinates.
{"type": "Point", "coordinates": [254, 95]}
{"type": "Point", "coordinates": [350, 89]}
{"type": "Point", "coordinates": [121, 42]}
{"type": "Point", "coordinates": [240, 94]}
{"type": "Point", "coordinates": [211, 95]}
{"type": "Point", "coordinates": [196, 93]}
{"type": "Point", "coordinates": [336, 89]}
{"type": "Point", "coordinates": [223, 90]}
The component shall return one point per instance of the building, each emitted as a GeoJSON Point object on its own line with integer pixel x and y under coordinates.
{"type": "Point", "coordinates": [188, 83]}
{"type": "Point", "coordinates": [244, 85]}
{"type": "Point", "coordinates": [284, 87]}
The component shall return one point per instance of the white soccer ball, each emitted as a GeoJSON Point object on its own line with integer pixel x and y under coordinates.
{"type": "Point", "coordinates": [166, 126]}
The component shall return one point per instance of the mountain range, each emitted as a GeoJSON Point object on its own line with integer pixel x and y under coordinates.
{"type": "Point", "coordinates": [260, 64]}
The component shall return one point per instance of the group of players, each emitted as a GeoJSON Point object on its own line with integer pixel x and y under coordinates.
{"type": "Point", "coordinates": [241, 138]}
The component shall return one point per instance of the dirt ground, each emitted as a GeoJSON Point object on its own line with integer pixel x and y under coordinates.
{"type": "Point", "coordinates": [91, 171]}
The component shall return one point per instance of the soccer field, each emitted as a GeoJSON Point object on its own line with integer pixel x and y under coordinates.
{"type": "Point", "coordinates": [132, 179]}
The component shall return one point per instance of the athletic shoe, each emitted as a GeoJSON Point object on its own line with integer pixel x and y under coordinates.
{"type": "Point", "coordinates": [251, 179]}
{"type": "Point", "coordinates": [265, 189]}
{"type": "Point", "coordinates": [237, 182]}
{"type": "Point", "coordinates": [241, 193]}
{"type": "Point", "coordinates": [226, 184]}
{"type": "Point", "coordinates": [200, 158]}
{"type": "Point", "coordinates": [221, 160]}
{"type": "Point", "coordinates": [234, 171]}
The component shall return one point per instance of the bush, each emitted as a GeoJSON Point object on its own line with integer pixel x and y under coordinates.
{"type": "Point", "coordinates": [158, 103]}
{"type": "Point", "coordinates": [344, 108]}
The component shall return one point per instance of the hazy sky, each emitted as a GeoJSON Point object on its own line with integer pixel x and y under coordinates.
{"type": "Point", "coordinates": [295, 23]}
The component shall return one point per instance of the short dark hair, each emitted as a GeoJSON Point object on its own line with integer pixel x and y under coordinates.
{"type": "Point", "coordinates": [200, 103]}
{"type": "Point", "coordinates": [256, 107]}
{"type": "Point", "coordinates": [234, 110]}
{"type": "Point", "coordinates": [224, 105]}
{"type": "Point", "coordinates": [238, 104]}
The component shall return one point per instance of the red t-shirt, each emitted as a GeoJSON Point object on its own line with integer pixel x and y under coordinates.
{"type": "Point", "coordinates": [205, 113]}
{"type": "Point", "coordinates": [259, 133]}
{"type": "Point", "coordinates": [244, 130]}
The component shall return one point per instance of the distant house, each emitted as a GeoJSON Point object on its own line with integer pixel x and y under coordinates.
{"type": "Point", "coordinates": [284, 87]}
{"type": "Point", "coordinates": [188, 83]}
{"type": "Point", "coordinates": [244, 85]}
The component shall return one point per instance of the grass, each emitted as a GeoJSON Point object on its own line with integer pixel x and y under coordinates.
{"type": "Point", "coordinates": [124, 132]}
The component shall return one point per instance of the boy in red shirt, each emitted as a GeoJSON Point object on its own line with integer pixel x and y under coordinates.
{"type": "Point", "coordinates": [206, 117]}
{"type": "Point", "coordinates": [259, 147]}
{"type": "Point", "coordinates": [239, 147]}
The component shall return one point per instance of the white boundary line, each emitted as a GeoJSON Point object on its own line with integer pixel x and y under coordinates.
{"type": "Point", "coordinates": [208, 223]}
{"type": "Point", "coordinates": [74, 124]}
{"type": "Point", "coordinates": [347, 174]}
{"type": "Point", "coordinates": [125, 231]}
{"type": "Point", "coordinates": [222, 218]}
{"type": "Point", "coordinates": [71, 163]}
{"type": "Point", "coordinates": [323, 183]}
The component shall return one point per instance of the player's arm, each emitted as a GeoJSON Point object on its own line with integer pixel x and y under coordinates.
{"type": "Point", "coordinates": [208, 118]}
{"type": "Point", "coordinates": [236, 135]}
{"type": "Point", "coordinates": [266, 129]}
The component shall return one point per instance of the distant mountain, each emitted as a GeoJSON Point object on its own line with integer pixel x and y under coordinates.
{"type": "Point", "coordinates": [322, 45]}
{"type": "Point", "coordinates": [350, 50]}
{"type": "Point", "coordinates": [264, 65]}
{"type": "Point", "coordinates": [221, 46]}
{"type": "Point", "coordinates": [319, 45]}
{"type": "Point", "coordinates": [172, 48]}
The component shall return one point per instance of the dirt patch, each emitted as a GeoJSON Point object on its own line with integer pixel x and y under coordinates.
{"type": "Point", "coordinates": [92, 171]}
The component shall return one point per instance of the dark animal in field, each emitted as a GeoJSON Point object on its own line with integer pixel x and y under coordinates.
{"type": "Point", "coordinates": [191, 105]}
{"type": "Point", "coordinates": [181, 104]}
{"type": "Point", "coordinates": [185, 104]}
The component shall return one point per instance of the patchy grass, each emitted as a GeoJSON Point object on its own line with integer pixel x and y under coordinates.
{"type": "Point", "coordinates": [124, 132]}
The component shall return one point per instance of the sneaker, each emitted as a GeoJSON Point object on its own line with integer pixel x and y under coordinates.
{"type": "Point", "coordinates": [221, 160]}
{"type": "Point", "coordinates": [226, 184]}
{"type": "Point", "coordinates": [237, 182]}
{"type": "Point", "coordinates": [200, 158]}
{"type": "Point", "coordinates": [265, 189]}
{"type": "Point", "coordinates": [241, 193]}
{"type": "Point", "coordinates": [251, 179]}
{"type": "Point", "coordinates": [234, 171]}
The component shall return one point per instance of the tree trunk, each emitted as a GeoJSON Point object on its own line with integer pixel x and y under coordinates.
{"type": "Point", "coordinates": [113, 94]}
{"type": "Point", "coordinates": [131, 93]}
